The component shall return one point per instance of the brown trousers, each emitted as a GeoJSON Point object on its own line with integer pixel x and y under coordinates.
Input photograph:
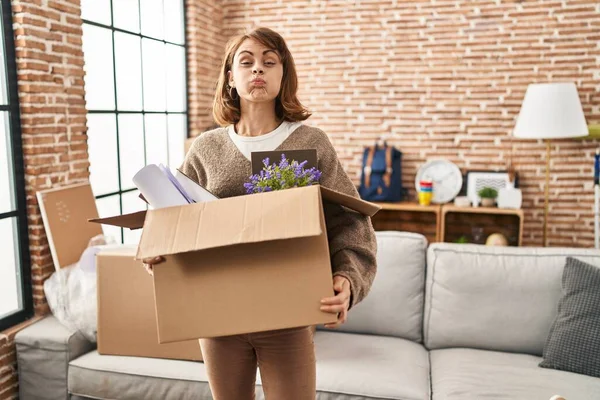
{"type": "Point", "coordinates": [286, 359]}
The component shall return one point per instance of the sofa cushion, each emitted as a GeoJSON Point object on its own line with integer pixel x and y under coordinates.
{"type": "Point", "coordinates": [117, 377]}
{"type": "Point", "coordinates": [394, 306]}
{"type": "Point", "coordinates": [573, 343]}
{"type": "Point", "coordinates": [494, 298]}
{"type": "Point", "coordinates": [44, 350]}
{"type": "Point", "coordinates": [349, 367]}
{"type": "Point", "coordinates": [370, 367]}
{"type": "Point", "coordinates": [468, 374]}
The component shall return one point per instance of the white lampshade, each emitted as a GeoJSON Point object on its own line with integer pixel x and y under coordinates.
{"type": "Point", "coordinates": [551, 111]}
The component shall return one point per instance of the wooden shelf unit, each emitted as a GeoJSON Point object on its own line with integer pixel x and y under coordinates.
{"type": "Point", "coordinates": [409, 217]}
{"type": "Point", "coordinates": [447, 222]}
{"type": "Point", "coordinates": [481, 222]}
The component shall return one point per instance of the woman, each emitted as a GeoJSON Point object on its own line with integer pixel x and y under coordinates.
{"type": "Point", "coordinates": [257, 107]}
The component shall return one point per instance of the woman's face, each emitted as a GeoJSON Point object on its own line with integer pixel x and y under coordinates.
{"type": "Point", "coordinates": [256, 72]}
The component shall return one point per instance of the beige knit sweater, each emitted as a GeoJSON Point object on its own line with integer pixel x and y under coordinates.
{"type": "Point", "coordinates": [215, 162]}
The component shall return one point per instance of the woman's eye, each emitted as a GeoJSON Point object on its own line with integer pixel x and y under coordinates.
{"type": "Point", "coordinates": [270, 63]}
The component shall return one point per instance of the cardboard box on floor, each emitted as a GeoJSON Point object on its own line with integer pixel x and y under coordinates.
{"type": "Point", "coordinates": [241, 264]}
{"type": "Point", "coordinates": [126, 313]}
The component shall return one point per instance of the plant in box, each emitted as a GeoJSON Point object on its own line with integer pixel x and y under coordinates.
{"type": "Point", "coordinates": [284, 175]}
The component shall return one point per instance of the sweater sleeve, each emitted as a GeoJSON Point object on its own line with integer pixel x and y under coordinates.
{"type": "Point", "coordinates": [192, 166]}
{"type": "Point", "coordinates": [352, 241]}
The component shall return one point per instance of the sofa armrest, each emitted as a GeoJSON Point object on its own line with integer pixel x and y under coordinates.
{"type": "Point", "coordinates": [44, 351]}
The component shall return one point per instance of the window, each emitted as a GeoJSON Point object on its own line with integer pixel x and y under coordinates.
{"type": "Point", "coordinates": [16, 304]}
{"type": "Point", "coordinates": [136, 96]}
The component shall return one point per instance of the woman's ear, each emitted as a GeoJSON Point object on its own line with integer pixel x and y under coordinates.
{"type": "Point", "coordinates": [230, 79]}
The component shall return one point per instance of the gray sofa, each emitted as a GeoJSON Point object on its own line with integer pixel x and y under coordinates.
{"type": "Point", "coordinates": [441, 322]}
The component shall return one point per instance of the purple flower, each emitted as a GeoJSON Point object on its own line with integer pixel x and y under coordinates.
{"type": "Point", "coordinates": [284, 162]}
{"type": "Point", "coordinates": [283, 175]}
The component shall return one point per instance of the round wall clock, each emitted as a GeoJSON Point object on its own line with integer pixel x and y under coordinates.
{"type": "Point", "coordinates": [446, 177]}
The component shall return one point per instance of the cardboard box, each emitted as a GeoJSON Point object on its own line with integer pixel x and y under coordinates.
{"type": "Point", "coordinates": [240, 264]}
{"type": "Point", "coordinates": [236, 265]}
{"type": "Point", "coordinates": [64, 212]}
{"type": "Point", "coordinates": [126, 313]}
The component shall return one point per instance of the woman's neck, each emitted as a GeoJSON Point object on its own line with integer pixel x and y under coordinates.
{"type": "Point", "coordinates": [257, 119]}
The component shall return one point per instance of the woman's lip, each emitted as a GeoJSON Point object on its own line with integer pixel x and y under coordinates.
{"type": "Point", "coordinates": [258, 81]}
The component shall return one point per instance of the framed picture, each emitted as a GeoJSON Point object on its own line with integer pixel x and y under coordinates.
{"type": "Point", "coordinates": [477, 180]}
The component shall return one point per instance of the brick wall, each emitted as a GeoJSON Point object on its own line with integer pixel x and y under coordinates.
{"type": "Point", "coordinates": [205, 48]}
{"type": "Point", "coordinates": [8, 365]}
{"type": "Point", "coordinates": [446, 79]}
{"type": "Point", "coordinates": [437, 79]}
{"type": "Point", "coordinates": [53, 119]}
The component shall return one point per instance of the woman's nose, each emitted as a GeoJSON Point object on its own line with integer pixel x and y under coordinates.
{"type": "Point", "coordinates": [257, 69]}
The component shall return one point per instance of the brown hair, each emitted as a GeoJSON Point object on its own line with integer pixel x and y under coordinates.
{"type": "Point", "coordinates": [226, 110]}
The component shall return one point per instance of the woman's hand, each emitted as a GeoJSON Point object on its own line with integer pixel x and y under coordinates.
{"type": "Point", "coordinates": [150, 262]}
{"type": "Point", "coordinates": [340, 303]}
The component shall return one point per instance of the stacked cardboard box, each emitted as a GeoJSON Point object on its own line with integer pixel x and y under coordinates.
{"type": "Point", "coordinates": [126, 313]}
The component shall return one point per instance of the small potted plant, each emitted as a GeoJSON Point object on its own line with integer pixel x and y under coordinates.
{"type": "Point", "coordinates": [488, 196]}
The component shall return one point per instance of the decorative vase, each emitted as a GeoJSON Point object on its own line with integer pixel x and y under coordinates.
{"type": "Point", "coordinates": [509, 197]}
{"type": "Point", "coordinates": [486, 202]}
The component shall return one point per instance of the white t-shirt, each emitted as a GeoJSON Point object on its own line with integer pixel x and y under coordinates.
{"type": "Point", "coordinates": [267, 142]}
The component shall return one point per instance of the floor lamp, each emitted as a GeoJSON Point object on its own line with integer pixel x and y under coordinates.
{"type": "Point", "coordinates": [550, 111]}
